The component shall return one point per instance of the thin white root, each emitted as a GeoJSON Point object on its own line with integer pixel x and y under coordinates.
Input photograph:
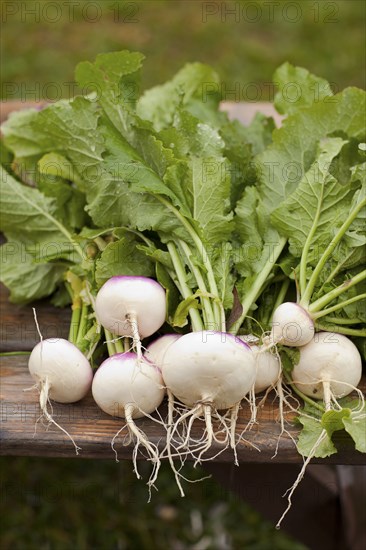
{"type": "Point", "coordinates": [113, 442]}
{"type": "Point", "coordinates": [169, 437]}
{"type": "Point", "coordinates": [37, 325]}
{"type": "Point", "coordinates": [290, 491]}
{"type": "Point", "coordinates": [281, 399]}
{"type": "Point", "coordinates": [195, 415]}
{"type": "Point", "coordinates": [209, 432]}
{"type": "Point", "coordinates": [141, 439]}
{"type": "Point", "coordinates": [264, 398]}
{"type": "Point", "coordinates": [327, 395]}
{"type": "Point", "coordinates": [233, 420]}
{"type": "Point", "coordinates": [131, 319]}
{"type": "Point", "coordinates": [43, 401]}
{"type": "Point", "coordinates": [253, 406]}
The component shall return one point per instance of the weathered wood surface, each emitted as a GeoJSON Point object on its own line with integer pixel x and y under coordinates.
{"type": "Point", "coordinates": [92, 429]}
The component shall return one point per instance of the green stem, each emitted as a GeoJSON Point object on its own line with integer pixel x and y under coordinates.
{"type": "Point", "coordinates": [304, 397]}
{"type": "Point", "coordinates": [309, 239]}
{"type": "Point", "coordinates": [330, 296]}
{"type": "Point", "coordinates": [342, 321]}
{"type": "Point", "coordinates": [258, 283]}
{"type": "Point", "coordinates": [340, 305]}
{"type": "Point", "coordinates": [11, 353]}
{"type": "Point", "coordinates": [100, 242]}
{"type": "Point", "coordinates": [305, 300]}
{"type": "Point", "coordinates": [201, 249]}
{"type": "Point", "coordinates": [174, 278]}
{"type": "Point", "coordinates": [185, 290]}
{"type": "Point", "coordinates": [138, 234]}
{"type": "Point", "coordinates": [337, 269]}
{"type": "Point", "coordinates": [82, 324]}
{"type": "Point", "coordinates": [281, 295]}
{"type": "Point", "coordinates": [75, 321]}
{"type": "Point", "coordinates": [118, 344]}
{"type": "Point", "coordinates": [341, 330]}
{"type": "Point", "coordinates": [110, 345]}
{"type": "Point", "coordinates": [205, 301]}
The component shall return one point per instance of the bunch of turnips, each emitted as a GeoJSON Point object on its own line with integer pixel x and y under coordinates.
{"type": "Point", "coordinates": [211, 262]}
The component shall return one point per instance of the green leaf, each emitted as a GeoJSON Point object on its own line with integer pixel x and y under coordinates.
{"type": "Point", "coordinates": [256, 236]}
{"type": "Point", "coordinates": [25, 209]}
{"type": "Point", "coordinates": [283, 164]}
{"type": "Point", "coordinates": [356, 427]}
{"type": "Point", "coordinates": [181, 315]}
{"type": "Point", "coordinates": [310, 433]}
{"type": "Point", "coordinates": [67, 128]}
{"type": "Point", "coordinates": [289, 358]}
{"type": "Point", "coordinates": [26, 280]}
{"type": "Point", "coordinates": [318, 194]}
{"type": "Point", "coordinates": [114, 77]}
{"type": "Point", "coordinates": [211, 192]}
{"type": "Point", "coordinates": [115, 192]}
{"type": "Point", "coordinates": [332, 420]}
{"type": "Point", "coordinates": [27, 215]}
{"type": "Point", "coordinates": [298, 88]}
{"type": "Point", "coordinates": [195, 87]}
{"type": "Point", "coordinates": [122, 258]}
{"type": "Point", "coordinates": [157, 255]}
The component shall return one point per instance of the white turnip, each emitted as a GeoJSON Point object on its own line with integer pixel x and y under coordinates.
{"type": "Point", "coordinates": [130, 387]}
{"type": "Point", "coordinates": [330, 366]}
{"type": "Point", "coordinates": [207, 372]}
{"type": "Point", "coordinates": [292, 325]}
{"type": "Point", "coordinates": [156, 350]}
{"type": "Point", "coordinates": [131, 306]}
{"type": "Point", "coordinates": [62, 373]}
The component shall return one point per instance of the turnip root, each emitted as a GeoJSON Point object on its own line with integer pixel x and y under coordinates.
{"type": "Point", "coordinates": [62, 373]}
{"type": "Point", "coordinates": [130, 388]}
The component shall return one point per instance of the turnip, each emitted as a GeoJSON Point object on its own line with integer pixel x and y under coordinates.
{"type": "Point", "coordinates": [268, 366]}
{"type": "Point", "coordinates": [62, 373]}
{"type": "Point", "coordinates": [330, 367]}
{"type": "Point", "coordinates": [268, 377]}
{"type": "Point", "coordinates": [130, 387]}
{"type": "Point", "coordinates": [131, 306]}
{"type": "Point", "coordinates": [207, 372]}
{"type": "Point", "coordinates": [291, 325]}
{"type": "Point", "coordinates": [268, 369]}
{"type": "Point", "coordinates": [207, 368]}
{"type": "Point", "coordinates": [156, 350]}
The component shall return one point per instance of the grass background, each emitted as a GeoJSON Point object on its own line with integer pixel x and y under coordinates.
{"type": "Point", "coordinates": [53, 504]}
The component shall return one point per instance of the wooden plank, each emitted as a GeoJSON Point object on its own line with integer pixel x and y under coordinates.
{"type": "Point", "coordinates": [93, 430]}
{"type": "Point", "coordinates": [17, 327]}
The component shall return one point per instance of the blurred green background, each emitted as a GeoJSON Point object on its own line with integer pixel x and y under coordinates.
{"type": "Point", "coordinates": [52, 504]}
{"type": "Point", "coordinates": [245, 41]}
